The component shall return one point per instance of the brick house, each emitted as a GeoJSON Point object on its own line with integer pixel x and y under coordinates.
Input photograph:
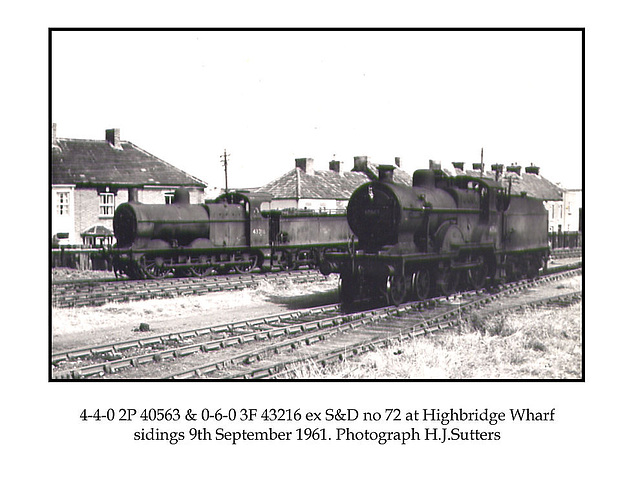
{"type": "Point", "coordinates": [90, 178]}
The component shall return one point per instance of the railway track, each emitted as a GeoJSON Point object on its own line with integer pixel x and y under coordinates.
{"type": "Point", "coordinates": [97, 293]}
{"type": "Point", "coordinates": [81, 293]}
{"type": "Point", "coordinates": [272, 346]}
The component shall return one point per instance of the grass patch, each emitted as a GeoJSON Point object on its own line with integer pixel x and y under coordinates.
{"type": "Point", "coordinates": [535, 343]}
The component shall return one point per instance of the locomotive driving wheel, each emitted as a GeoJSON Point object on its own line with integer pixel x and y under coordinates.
{"type": "Point", "coordinates": [396, 289]}
{"type": "Point", "coordinates": [252, 260]}
{"type": "Point", "coordinates": [477, 275]}
{"type": "Point", "coordinates": [288, 262]}
{"type": "Point", "coordinates": [201, 269]}
{"type": "Point", "coordinates": [154, 267]}
{"type": "Point", "coordinates": [447, 280]}
{"type": "Point", "coordinates": [422, 284]}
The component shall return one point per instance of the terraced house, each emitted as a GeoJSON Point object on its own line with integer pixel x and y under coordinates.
{"type": "Point", "coordinates": [90, 178]}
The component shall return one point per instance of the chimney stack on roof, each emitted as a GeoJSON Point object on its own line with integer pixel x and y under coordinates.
{"type": "Point", "coordinates": [433, 165]}
{"type": "Point", "coordinates": [113, 137]}
{"type": "Point", "coordinates": [477, 166]}
{"type": "Point", "coordinates": [458, 165]}
{"type": "Point", "coordinates": [398, 162]}
{"type": "Point", "coordinates": [334, 166]}
{"type": "Point", "coordinates": [513, 168]}
{"type": "Point", "coordinates": [532, 169]}
{"type": "Point", "coordinates": [360, 164]}
{"type": "Point", "coordinates": [306, 165]}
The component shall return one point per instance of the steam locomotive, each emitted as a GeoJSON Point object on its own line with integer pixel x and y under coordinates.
{"type": "Point", "coordinates": [436, 236]}
{"type": "Point", "coordinates": [231, 233]}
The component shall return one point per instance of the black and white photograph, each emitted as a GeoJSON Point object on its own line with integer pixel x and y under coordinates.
{"type": "Point", "coordinates": [341, 242]}
{"type": "Point", "coordinates": [317, 204]}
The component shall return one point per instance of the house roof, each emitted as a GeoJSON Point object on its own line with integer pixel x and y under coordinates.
{"type": "Point", "coordinates": [96, 162]}
{"type": "Point", "coordinates": [533, 184]}
{"type": "Point", "coordinates": [329, 184]}
{"type": "Point", "coordinates": [325, 184]}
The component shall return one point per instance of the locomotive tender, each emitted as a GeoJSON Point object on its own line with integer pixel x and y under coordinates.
{"type": "Point", "coordinates": [231, 233]}
{"type": "Point", "coordinates": [439, 234]}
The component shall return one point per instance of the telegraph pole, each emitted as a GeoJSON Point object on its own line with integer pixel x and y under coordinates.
{"type": "Point", "coordinates": [225, 158]}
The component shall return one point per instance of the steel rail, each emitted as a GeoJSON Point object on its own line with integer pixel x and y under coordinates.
{"type": "Point", "coordinates": [437, 322]}
{"type": "Point", "coordinates": [238, 333]}
{"type": "Point", "coordinates": [134, 290]}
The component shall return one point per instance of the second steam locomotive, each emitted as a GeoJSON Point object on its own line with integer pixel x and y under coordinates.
{"type": "Point", "coordinates": [230, 233]}
{"type": "Point", "coordinates": [436, 236]}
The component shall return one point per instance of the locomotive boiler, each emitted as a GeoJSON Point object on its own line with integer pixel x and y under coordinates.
{"type": "Point", "coordinates": [441, 233]}
{"type": "Point", "coordinates": [230, 233]}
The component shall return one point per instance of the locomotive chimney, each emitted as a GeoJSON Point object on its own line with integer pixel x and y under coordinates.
{"type": "Point", "coordinates": [181, 196]}
{"type": "Point", "coordinates": [334, 166]}
{"type": "Point", "coordinates": [113, 137]}
{"type": "Point", "coordinates": [133, 194]}
{"type": "Point", "coordinates": [385, 173]}
{"type": "Point", "coordinates": [305, 164]}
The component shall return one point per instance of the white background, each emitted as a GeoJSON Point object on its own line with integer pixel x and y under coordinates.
{"type": "Point", "coordinates": [592, 438]}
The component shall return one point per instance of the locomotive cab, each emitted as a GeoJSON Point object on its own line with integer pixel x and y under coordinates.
{"type": "Point", "coordinates": [255, 227]}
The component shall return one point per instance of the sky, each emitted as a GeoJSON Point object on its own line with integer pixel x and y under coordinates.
{"type": "Point", "coordinates": [269, 97]}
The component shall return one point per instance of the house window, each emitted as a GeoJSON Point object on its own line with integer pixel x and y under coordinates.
{"type": "Point", "coordinates": [62, 204]}
{"type": "Point", "coordinates": [168, 197]}
{"type": "Point", "coordinates": [107, 205]}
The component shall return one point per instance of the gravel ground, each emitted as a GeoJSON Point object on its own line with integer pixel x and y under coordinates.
{"type": "Point", "coordinates": [68, 274]}
{"type": "Point", "coordinates": [73, 328]}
